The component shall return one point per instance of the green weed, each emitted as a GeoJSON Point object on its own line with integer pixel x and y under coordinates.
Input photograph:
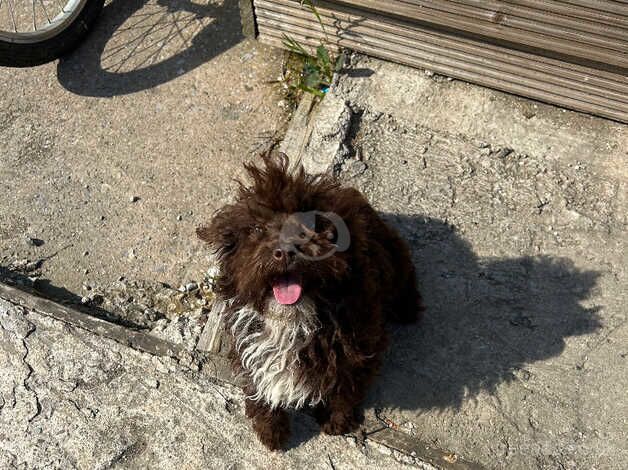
{"type": "Point", "coordinates": [318, 70]}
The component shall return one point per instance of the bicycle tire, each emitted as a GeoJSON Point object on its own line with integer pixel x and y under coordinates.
{"type": "Point", "coordinates": [29, 54]}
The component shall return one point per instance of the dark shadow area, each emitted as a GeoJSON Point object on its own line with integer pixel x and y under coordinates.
{"type": "Point", "coordinates": [137, 45]}
{"type": "Point", "coordinates": [31, 282]}
{"type": "Point", "coordinates": [303, 428]}
{"type": "Point", "coordinates": [484, 319]}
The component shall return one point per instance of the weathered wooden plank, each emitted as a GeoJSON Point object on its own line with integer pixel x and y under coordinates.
{"type": "Point", "coordinates": [405, 28]}
{"type": "Point", "coordinates": [132, 338]}
{"type": "Point", "coordinates": [494, 25]}
{"type": "Point", "coordinates": [247, 18]}
{"type": "Point", "coordinates": [461, 71]}
{"type": "Point", "coordinates": [604, 16]}
{"type": "Point", "coordinates": [212, 334]}
{"type": "Point", "coordinates": [539, 17]}
{"type": "Point", "coordinates": [299, 130]}
{"type": "Point", "coordinates": [392, 438]}
{"type": "Point", "coordinates": [617, 7]}
{"type": "Point", "coordinates": [499, 13]}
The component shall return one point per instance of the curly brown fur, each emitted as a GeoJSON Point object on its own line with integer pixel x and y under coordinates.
{"type": "Point", "coordinates": [272, 426]}
{"type": "Point", "coordinates": [324, 348]}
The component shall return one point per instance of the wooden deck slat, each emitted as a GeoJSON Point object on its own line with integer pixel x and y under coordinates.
{"type": "Point", "coordinates": [607, 79]}
{"type": "Point", "coordinates": [448, 59]}
{"type": "Point", "coordinates": [581, 13]}
{"type": "Point", "coordinates": [461, 71]}
{"type": "Point", "coordinates": [499, 13]}
{"type": "Point", "coordinates": [610, 6]}
{"type": "Point", "coordinates": [532, 17]}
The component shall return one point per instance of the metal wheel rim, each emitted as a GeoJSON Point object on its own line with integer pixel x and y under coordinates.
{"type": "Point", "coordinates": [64, 17]}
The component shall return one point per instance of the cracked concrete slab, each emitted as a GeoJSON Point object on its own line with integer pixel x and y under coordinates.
{"type": "Point", "coordinates": [375, 433]}
{"type": "Point", "coordinates": [73, 399]}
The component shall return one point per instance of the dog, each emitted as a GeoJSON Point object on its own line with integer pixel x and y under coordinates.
{"type": "Point", "coordinates": [309, 274]}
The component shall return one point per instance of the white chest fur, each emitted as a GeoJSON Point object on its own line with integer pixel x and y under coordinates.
{"type": "Point", "coordinates": [268, 347]}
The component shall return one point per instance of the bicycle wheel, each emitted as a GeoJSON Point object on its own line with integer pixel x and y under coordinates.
{"type": "Point", "coordinates": [33, 32]}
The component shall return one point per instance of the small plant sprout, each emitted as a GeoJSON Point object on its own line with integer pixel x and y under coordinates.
{"type": "Point", "coordinates": [318, 71]}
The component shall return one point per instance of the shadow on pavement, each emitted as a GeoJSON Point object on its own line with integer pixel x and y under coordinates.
{"type": "Point", "coordinates": [484, 319]}
{"type": "Point", "coordinates": [139, 44]}
{"type": "Point", "coordinates": [42, 287]}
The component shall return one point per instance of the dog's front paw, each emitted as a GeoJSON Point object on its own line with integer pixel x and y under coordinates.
{"type": "Point", "coordinates": [340, 422]}
{"type": "Point", "coordinates": [273, 431]}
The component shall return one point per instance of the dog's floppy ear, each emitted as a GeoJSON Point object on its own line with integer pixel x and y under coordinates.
{"type": "Point", "coordinates": [205, 234]}
{"type": "Point", "coordinates": [222, 233]}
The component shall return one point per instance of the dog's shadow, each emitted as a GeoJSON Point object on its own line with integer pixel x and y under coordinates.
{"type": "Point", "coordinates": [484, 319]}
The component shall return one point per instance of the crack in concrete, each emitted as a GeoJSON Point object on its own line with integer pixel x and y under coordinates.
{"type": "Point", "coordinates": [13, 397]}
{"type": "Point", "coordinates": [30, 372]}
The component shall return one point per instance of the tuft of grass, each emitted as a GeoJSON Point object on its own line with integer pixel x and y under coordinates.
{"type": "Point", "coordinates": [318, 70]}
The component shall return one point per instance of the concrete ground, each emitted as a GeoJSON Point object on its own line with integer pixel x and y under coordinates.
{"type": "Point", "coordinates": [515, 210]}
{"type": "Point", "coordinates": [72, 399]}
{"type": "Point", "coordinates": [115, 154]}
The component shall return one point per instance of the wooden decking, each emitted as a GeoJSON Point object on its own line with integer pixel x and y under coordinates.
{"type": "Point", "coordinates": [570, 53]}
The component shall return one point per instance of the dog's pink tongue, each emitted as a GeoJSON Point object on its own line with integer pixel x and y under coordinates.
{"type": "Point", "coordinates": [287, 291]}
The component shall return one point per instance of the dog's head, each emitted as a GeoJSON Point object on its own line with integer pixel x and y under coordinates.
{"type": "Point", "coordinates": [287, 235]}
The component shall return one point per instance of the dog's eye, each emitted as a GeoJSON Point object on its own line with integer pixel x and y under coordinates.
{"type": "Point", "coordinates": [257, 229]}
{"type": "Point", "coordinates": [322, 224]}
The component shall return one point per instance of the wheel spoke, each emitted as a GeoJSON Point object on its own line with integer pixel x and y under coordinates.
{"type": "Point", "coordinates": [12, 14]}
{"type": "Point", "coordinates": [45, 11]}
{"type": "Point", "coordinates": [34, 16]}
